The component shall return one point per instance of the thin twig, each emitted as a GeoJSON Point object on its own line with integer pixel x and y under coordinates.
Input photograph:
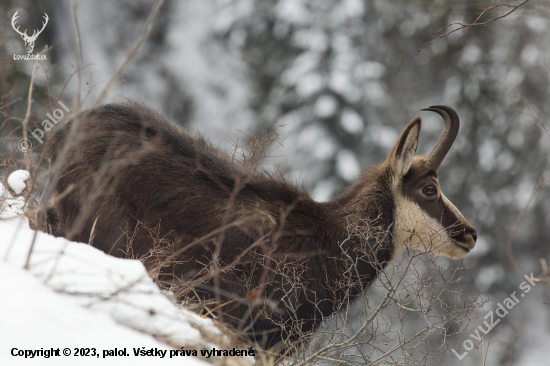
{"type": "Point", "coordinates": [77, 99]}
{"type": "Point", "coordinates": [29, 103]}
{"type": "Point", "coordinates": [9, 103]}
{"type": "Point", "coordinates": [475, 23]}
{"type": "Point", "coordinates": [537, 120]}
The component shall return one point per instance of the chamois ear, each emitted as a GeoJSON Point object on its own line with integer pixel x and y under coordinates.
{"type": "Point", "coordinates": [404, 151]}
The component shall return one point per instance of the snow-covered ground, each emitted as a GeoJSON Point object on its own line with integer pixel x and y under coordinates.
{"type": "Point", "coordinates": [75, 297]}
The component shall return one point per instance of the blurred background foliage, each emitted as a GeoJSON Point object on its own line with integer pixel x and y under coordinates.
{"type": "Point", "coordinates": [343, 79]}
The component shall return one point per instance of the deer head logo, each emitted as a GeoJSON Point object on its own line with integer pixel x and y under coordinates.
{"type": "Point", "coordinates": [29, 40]}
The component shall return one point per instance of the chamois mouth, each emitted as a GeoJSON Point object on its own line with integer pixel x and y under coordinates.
{"type": "Point", "coordinates": [463, 246]}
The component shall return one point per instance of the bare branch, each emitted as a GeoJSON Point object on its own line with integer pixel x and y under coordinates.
{"type": "Point", "coordinates": [77, 98]}
{"type": "Point", "coordinates": [29, 103]}
{"type": "Point", "coordinates": [467, 27]}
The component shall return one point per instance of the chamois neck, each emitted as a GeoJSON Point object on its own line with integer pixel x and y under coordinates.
{"type": "Point", "coordinates": [370, 198]}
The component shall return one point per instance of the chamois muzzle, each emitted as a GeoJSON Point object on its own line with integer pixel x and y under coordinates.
{"type": "Point", "coordinates": [445, 141]}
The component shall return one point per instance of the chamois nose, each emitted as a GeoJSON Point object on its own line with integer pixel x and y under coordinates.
{"type": "Point", "coordinates": [473, 234]}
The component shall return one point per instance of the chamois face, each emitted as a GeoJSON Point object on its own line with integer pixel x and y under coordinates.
{"type": "Point", "coordinates": [424, 218]}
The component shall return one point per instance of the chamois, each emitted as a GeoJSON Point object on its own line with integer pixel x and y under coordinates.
{"type": "Point", "coordinates": [238, 234]}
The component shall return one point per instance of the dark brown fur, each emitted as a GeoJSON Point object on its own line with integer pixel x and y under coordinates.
{"type": "Point", "coordinates": [134, 170]}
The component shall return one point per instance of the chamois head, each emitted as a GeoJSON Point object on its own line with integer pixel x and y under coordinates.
{"type": "Point", "coordinates": [424, 218]}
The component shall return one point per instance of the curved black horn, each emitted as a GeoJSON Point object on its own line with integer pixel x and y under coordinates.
{"type": "Point", "coordinates": [452, 124]}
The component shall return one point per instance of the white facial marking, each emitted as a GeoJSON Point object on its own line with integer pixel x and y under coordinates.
{"type": "Point", "coordinates": [452, 207]}
{"type": "Point", "coordinates": [416, 229]}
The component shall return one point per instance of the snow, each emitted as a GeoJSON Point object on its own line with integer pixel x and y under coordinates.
{"type": "Point", "coordinates": [351, 121]}
{"type": "Point", "coordinates": [347, 165]}
{"type": "Point", "coordinates": [35, 316]}
{"type": "Point", "coordinates": [75, 296]}
{"type": "Point", "coordinates": [17, 180]}
{"type": "Point", "coordinates": [12, 206]}
{"type": "Point", "coordinates": [214, 77]}
{"type": "Point", "coordinates": [326, 106]}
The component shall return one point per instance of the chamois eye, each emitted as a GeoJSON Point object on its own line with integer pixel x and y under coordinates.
{"type": "Point", "coordinates": [429, 190]}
